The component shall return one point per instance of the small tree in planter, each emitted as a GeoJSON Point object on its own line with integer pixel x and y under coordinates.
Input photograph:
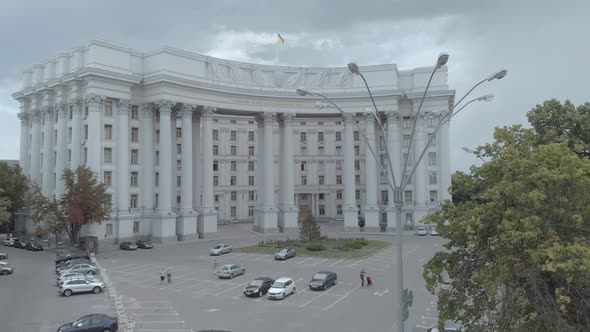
{"type": "Point", "coordinates": [309, 230]}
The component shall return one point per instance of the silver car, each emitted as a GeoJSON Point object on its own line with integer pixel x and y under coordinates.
{"type": "Point", "coordinates": [9, 242]}
{"type": "Point", "coordinates": [3, 255]}
{"type": "Point", "coordinates": [220, 249]}
{"type": "Point", "coordinates": [5, 268]}
{"type": "Point", "coordinates": [230, 271]}
{"type": "Point", "coordinates": [75, 275]}
{"type": "Point", "coordinates": [81, 286]}
{"type": "Point", "coordinates": [82, 268]}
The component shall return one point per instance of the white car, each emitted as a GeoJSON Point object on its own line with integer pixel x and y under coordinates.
{"type": "Point", "coordinates": [220, 249]}
{"type": "Point", "coordinates": [3, 255]}
{"type": "Point", "coordinates": [9, 242]}
{"type": "Point", "coordinates": [421, 231]}
{"type": "Point", "coordinates": [281, 288]}
{"type": "Point", "coordinates": [433, 231]}
{"type": "Point", "coordinates": [61, 281]}
{"type": "Point", "coordinates": [230, 271]}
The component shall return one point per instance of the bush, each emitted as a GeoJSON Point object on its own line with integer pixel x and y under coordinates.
{"type": "Point", "coordinates": [315, 247]}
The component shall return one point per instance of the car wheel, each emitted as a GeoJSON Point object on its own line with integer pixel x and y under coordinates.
{"type": "Point", "coordinates": [243, 271]}
{"type": "Point", "coordinates": [107, 330]}
{"type": "Point", "coordinates": [96, 290]}
{"type": "Point", "coordinates": [67, 292]}
{"type": "Point", "coordinates": [230, 250]}
{"type": "Point", "coordinates": [293, 292]}
{"type": "Point", "coordinates": [283, 297]}
{"type": "Point", "coordinates": [4, 272]}
{"type": "Point", "coordinates": [90, 272]}
{"type": "Point", "coordinates": [334, 283]}
{"type": "Point", "coordinates": [325, 286]}
{"type": "Point", "coordinates": [259, 293]}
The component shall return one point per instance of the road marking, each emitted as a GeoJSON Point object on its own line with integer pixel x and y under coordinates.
{"type": "Point", "coordinates": [166, 330]}
{"type": "Point", "coordinates": [318, 263]}
{"type": "Point", "coordinates": [317, 297]}
{"type": "Point", "coordinates": [337, 262]}
{"type": "Point", "coordinates": [342, 298]}
{"type": "Point", "coordinates": [162, 321]}
{"type": "Point", "coordinates": [213, 310]}
{"type": "Point", "coordinates": [431, 318]}
{"type": "Point", "coordinates": [303, 261]}
{"type": "Point", "coordinates": [355, 263]}
{"type": "Point", "coordinates": [381, 293]}
{"type": "Point", "coordinates": [259, 258]}
{"type": "Point", "coordinates": [173, 314]}
{"type": "Point", "coordinates": [237, 286]}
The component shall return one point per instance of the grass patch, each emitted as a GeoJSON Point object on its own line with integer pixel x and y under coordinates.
{"type": "Point", "coordinates": [333, 248]}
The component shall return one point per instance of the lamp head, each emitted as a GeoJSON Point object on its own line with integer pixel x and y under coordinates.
{"type": "Point", "coordinates": [498, 75]}
{"type": "Point", "coordinates": [354, 68]}
{"type": "Point", "coordinates": [301, 92]}
{"type": "Point", "coordinates": [320, 105]}
{"type": "Point", "coordinates": [443, 58]}
{"type": "Point", "coordinates": [488, 97]}
{"type": "Point", "coordinates": [468, 150]}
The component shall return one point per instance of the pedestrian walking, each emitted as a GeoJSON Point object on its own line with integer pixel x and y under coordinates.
{"type": "Point", "coordinates": [215, 266]}
{"type": "Point", "coordinates": [169, 274]}
{"type": "Point", "coordinates": [363, 273]}
{"type": "Point", "coordinates": [162, 275]}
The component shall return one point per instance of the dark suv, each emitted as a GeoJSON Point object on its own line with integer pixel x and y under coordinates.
{"type": "Point", "coordinates": [33, 246]}
{"type": "Point", "coordinates": [92, 323]}
{"type": "Point", "coordinates": [70, 255]}
{"type": "Point", "coordinates": [20, 243]}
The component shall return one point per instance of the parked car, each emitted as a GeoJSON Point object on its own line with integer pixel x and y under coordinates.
{"type": "Point", "coordinates": [323, 280]}
{"type": "Point", "coordinates": [433, 231]}
{"type": "Point", "coordinates": [421, 231]}
{"type": "Point", "coordinates": [5, 268]}
{"type": "Point", "coordinates": [127, 246]}
{"type": "Point", "coordinates": [230, 271]}
{"type": "Point", "coordinates": [9, 242]}
{"type": "Point", "coordinates": [91, 323]}
{"type": "Point", "coordinates": [70, 275]}
{"type": "Point", "coordinates": [220, 249]}
{"type": "Point", "coordinates": [34, 246]}
{"type": "Point", "coordinates": [19, 243]}
{"type": "Point", "coordinates": [281, 288]}
{"type": "Point", "coordinates": [144, 244]}
{"type": "Point", "coordinates": [86, 277]}
{"type": "Point", "coordinates": [82, 268]}
{"type": "Point", "coordinates": [81, 286]}
{"type": "Point", "coordinates": [3, 255]}
{"type": "Point", "coordinates": [71, 262]}
{"type": "Point", "coordinates": [70, 255]}
{"type": "Point", "coordinates": [285, 253]}
{"type": "Point", "coordinates": [258, 286]}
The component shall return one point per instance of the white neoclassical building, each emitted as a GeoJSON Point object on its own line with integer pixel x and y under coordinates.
{"type": "Point", "coordinates": [185, 141]}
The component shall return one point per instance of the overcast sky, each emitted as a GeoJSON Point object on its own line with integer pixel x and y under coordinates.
{"type": "Point", "coordinates": [543, 44]}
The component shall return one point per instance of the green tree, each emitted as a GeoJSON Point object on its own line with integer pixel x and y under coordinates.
{"type": "Point", "coordinates": [14, 185]}
{"type": "Point", "coordinates": [309, 230]}
{"type": "Point", "coordinates": [85, 200]}
{"type": "Point", "coordinates": [517, 256]}
{"type": "Point", "coordinates": [4, 209]}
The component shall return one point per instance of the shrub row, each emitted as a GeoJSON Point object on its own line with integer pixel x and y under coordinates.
{"type": "Point", "coordinates": [315, 247]}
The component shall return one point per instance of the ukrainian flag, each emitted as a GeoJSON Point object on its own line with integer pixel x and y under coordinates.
{"type": "Point", "coordinates": [280, 39]}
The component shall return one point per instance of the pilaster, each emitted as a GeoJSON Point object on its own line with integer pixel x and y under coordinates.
{"type": "Point", "coordinates": [62, 137]}
{"type": "Point", "coordinates": [76, 105]}
{"type": "Point", "coordinates": [95, 104]}
{"type": "Point", "coordinates": [288, 212]}
{"type": "Point", "coordinates": [147, 158]}
{"type": "Point", "coordinates": [207, 219]}
{"type": "Point", "coordinates": [186, 223]}
{"type": "Point", "coordinates": [47, 185]}
{"type": "Point", "coordinates": [349, 209]}
{"type": "Point", "coordinates": [35, 167]}
{"type": "Point", "coordinates": [266, 214]}
{"type": "Point", "coordinates": [371, 209]}
{"type": "Point", "coordinates": [123, 161]}
{"type": "Point", "coordinates": [24, 117]}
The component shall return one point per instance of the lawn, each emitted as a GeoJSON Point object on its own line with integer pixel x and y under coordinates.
{"type": "Point", "coordinates": [334, 249]}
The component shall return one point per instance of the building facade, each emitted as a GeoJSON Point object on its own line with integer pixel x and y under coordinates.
{"type": "Point", "coordinates": [185, 141]}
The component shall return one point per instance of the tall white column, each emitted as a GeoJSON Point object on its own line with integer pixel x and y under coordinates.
{"type": "Point", "coordinates": [47, 186]}
{"type": "Point", "coordinates": [444, 162]}
{"type": "Point", "coordinates": [147, 158]}
{"type": "Point", "coordinates": [24, 117]}
{"type": "Point", "coordinates": [266, 214]}
{"type": "Point", "coordinates": [371, 207]}
{"type": "Point", "coordinates": [349, 209]}
{"type": "Point", "coordinates": [164, 228]}
{"type": "Point", "coordinates": [207, 219]}
{"type": "Point", "coordinates": [123, 161]}
{"type": "Point", "coordinates": [35, 169]}
{"type": "Point", "coordinates": [76, 143]}
{"type": "Point", "coordinates": [186, 223]}
{"type": "Point", "coordinates": [62, 147]}
{"type": "Point", "coordinates": [197, 161]}
{"type": "Point", "coordinates": [420, 175]}
{"type": "Point", "coordinates": [93, 146]}
{"type": "Point", "coordinates": [394, 142]}
{"type": "Point", "coordinates": [288, 211]}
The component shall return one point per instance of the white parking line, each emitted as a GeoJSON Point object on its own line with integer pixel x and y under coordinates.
{"type": "Point", "coordinates": [166, 330]}
{"type": "Point", "coordinates": [173, 314]}
{"type": "Point", "coordinates": [337, 262]}
{"type": "Point", "coordinates": [303, 261]}
{"type": "Point", "coordinates": [355, 263]}
{"type": "Point", "coordinates": [237, 286]}
{"type": "Point", "coordinates": [162, 321]}
{"type": "Point", "coordinates": [342, 298]}
{"type": "Point", "coordinates": [318, 263]}
{"type": "Point", "coordinates": [259, 258]}
{"type": "Point", "coordinates": [317, 297]}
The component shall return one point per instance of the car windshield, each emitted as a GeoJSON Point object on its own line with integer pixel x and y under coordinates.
{"type": "Point", "coordinates": [320, 276]}
{"type": "Point", "coordinates": [278, 284]}
{"type": "Point", "coordinates": [256, 283]}
{"type": "Point", "coordinates": [218, 247]}
{"type": "Point", "coordinates": [224, 268]}
{"type": "Point", "coordinates": [421, 228]}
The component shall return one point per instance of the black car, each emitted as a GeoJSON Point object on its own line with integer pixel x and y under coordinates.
{"type": "Point", "coordinates": [323, 280]}
{"type": "Point", "coordinates": [127, 246]}
{"type": "Point", "coordinates": [92, 323]}
{"type": "Point", "coordinates": [258, 286]}
{"type": "Point", "coordinates": [19, 243]}
{"type": "Point", "coordinates": [70, 255]}
{"type": "Point", "coordinates": [33, 246]}
{"type": "Point", "coordinates": [144, 244]}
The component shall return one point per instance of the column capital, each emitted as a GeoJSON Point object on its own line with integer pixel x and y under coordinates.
{"type": "Point", "coordinates": [186, 111]}
{"type": "Point", "coordinates": [393, 115]}
{"type": "Point", "coordinates": [47, 110]}
{"type": "Point", "coordinates": [147, 110]}
{"type": "Point", "coordinates": [369, 116]}
{"type": "Point", "coordinates": [23, 116]}
{"type": "Point", "coordinates": [94, 101]}
{"type": "Point", "coordinates": [208, 110]}
{"type": "Point", "coordinates": [348, 120]}
{"type": "Point", "coordinates": [165, 105]}
{"type": "Point", "coordinates": [266, 117]}
{"type": "Point", "coordinates": [286, 118]}
{"type": "Point", "coordinates": [76, 104]}
{"type": "Point", "coordinates": [62, 109]}
{"type": "Point", "coordinates": [124, 106]}
{"type": "Point", "coordinates": [36, 115]}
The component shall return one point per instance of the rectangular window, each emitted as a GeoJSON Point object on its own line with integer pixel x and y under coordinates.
{"type": "Point", "coordinates": [251, 195]}
{"type": "Point", "coordinates": [134, 157]}
{"type": "Point", "coordinates": [431, 121]}
{"type": "Point", "coordinates": [384, 197]}
{"type": "Point", "coordinates": [233, 150]}
{"type": "Point", "coordinates": [339, 210]}
{"type": "Point", "coordinates": [215, 150]}
{"type": "Point", "coordinates": [109, 229]}
{"type": "Point", "coordinates": [431, 158]}
{"type": "Point", "coordinates": [357, 194]}
{"type": "Point", "coordinates": [134, 179]}
{"type": "Point", "coordinates": [302, 123]}
{"type": "Point", "coordinates": [408, 157]}
{"type": "Point", "coordinates": [406, 141]}
{"type": "Point", "coordinates": [321, 197]}
{"type": "Point", "coordinates": [215, 165]}
{"type": "Point", "coordinates": [108, 155]}
{"type": "Point", "coordinates": [178, 148]}
{"type": "Point", "coordinates": [321, 179]}
{"type": "Point", "coordinates": [432, 179]}
{"type": "Point", "coordinates": [251, 151]}
{"type": "Point", "coordinates": [338, 179]}
{"type": "Point", "coordinates": [338, 194]}
{"type": "Point", "coordinates": [303, 151]}
{"type": "Point", "coordinates": [157, 136]}
{"type": "Point", "coordinates": [303, 165]}
{"type": "Point", "coordinates": [408, 196]}
{"type": "Point", "coordinates": [322, 210]}
{"type": "Point", "coordinates": [136, 227]}
{"type": "Point", "coordinates": [357, 150]}
{"type": "Point", "coordinates": [357, 165]}
{"type": "Point", "coordinates": [234, 196]}
{"type": "Point", "coordinates": [233, 135]}
{"type": "Point", "coordinates": [215, 135]}
{"type": "Point", "coordinates": [321, 165]}
{"type": "Point", "coordinates": [321, 136]}
{"type": "Point", "coordinates": [133, 201]}
{"type": "Point", "coordinates": [303, 137]}
{"type": "Point", "coordinates": [233, 180]}
{"type": "Point", "coordinates": [157, 158]}
{"type": "Point", "coordinates": [178, 200]}
{"type": "Point", "coordinates": [320, 150]}
{"type": "Point", "coordinates": [232, 121]}
{"type": "Point", "coordinates": [251, 166]}
{"type": "Point", "coordinates": [251, 136]}
{"type": "Point", "coordinates": [303, 180]}
{"type": "Point", "coordinates": [338, 150]}
{"type": "Point", "coordinates": [357, 179]}
{"type": "Point", "coordinates": [107, 178]}
{"type": "Point", "coordinates": [86, 132]}
{"type": "Point", "coordinates": [233, 211]}
{"type": "Point", "coordinates": [433, 143]}
{"type": "Point", "coordinates": [108, 108]}
{"type": "Point", "coordinates": [251, 180]}
{"type": "Point", "coordinates": [409, 218]}
{"type": "Point", "coordinates": [251, 211]}
{"type": "Point", "coordinates": [215, 180]}
{"type": "Point", "coordinates": [134, 112]}
{"type": "Point", "coordinates": [339, 165]}
{"type": "Point", "coordinates": [135, 135]}
{"type": "Point", "coordinates": [407, 122]}
{"type": "Point", "coordinates": [178, 181]}
{"type": "Point", "coordinates": [320, 123]}
{"type": "Point", "coordinates": [70, 135]}
{"type": "Point", "coordinates": [158, 116]}
{"type": "Point", "coordinates": [357, 136]}
{"type": "Point", "coordinates": [233, 166]}
{"type": "Point", "coordinates": [178, 133]}
{"type": "Point", "coordinates": [108, 132]}
{"type": "Point", "coordinates": [157, 180]}
{"type": "Point", "coordinates": [433, 196]}
{"type": "Point", "coordinates": [338, 136]}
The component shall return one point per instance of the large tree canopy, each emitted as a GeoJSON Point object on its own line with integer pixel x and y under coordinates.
{"type": "Point", "coordinates": [518, 256]}
{"type": "Point", "coordinates": [14, 185]}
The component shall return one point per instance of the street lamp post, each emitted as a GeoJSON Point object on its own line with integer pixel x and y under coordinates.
{"type": "Point", "coordinates": [397, 189]}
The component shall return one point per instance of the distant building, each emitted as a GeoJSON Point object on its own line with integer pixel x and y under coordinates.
{"type": "Point", "coordinates": [184, 141]}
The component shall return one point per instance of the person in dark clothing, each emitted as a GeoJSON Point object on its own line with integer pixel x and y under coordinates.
{"type": "Point", "coordinates": [363, 273]}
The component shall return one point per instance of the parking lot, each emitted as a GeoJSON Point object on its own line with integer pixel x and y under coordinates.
{"type": "Point", "coordinates": [197, 299]}
{"type": "Point", "coordinates": [29, 298]}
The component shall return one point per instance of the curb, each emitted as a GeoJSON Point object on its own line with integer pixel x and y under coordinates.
{"type": "Point", "coordinates": [124, 321]}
